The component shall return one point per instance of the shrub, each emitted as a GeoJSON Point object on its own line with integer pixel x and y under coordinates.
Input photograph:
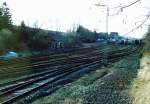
{"type": "Point", "coordinates": [1, 46]}
{"type": "Point", "coordinates": [7, 40]}
{"type": "Point", "coordinates": [147, 39]}
{"type": "Point", "coordinates": [86, 35]}
{"type": "Point", "coordinates": [72, 40]}
{"type": "Point", "coordinates": [41, 41]}
{"type": "Point", "coordinates": [35, 38]}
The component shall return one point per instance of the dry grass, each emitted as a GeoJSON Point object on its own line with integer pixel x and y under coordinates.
{"type": "Point", "coordinates": [141, 85]}
{"type": "Point", "coordinates": [144, 72]}
{"type": "Point", "coordinates": [72, 101]}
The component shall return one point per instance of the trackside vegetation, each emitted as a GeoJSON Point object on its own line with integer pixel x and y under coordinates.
{"type": "Point", "coordinates": [141, 85]}
{"type": "Point", "coordinates": [24, 39]}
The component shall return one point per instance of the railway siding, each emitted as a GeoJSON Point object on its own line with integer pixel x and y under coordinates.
{"type": "Point", "coordinates": [98, 87]}
{"type": "Point", "coordinates": [63, 76]}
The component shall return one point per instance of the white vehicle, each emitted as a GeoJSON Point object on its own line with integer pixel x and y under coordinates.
{"type": "Point", "coordinates": [9, 55]}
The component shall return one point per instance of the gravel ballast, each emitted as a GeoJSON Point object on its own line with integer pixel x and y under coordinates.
{"type": "Point", "coordinates": [112, 88]}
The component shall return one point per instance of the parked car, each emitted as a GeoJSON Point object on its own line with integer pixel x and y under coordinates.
{"type": "Point", "coordinates": [9, 55]}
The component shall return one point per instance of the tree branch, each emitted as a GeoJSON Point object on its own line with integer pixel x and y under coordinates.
{"type": "Point", "coordinates": [123, 7]}
{"type": "Point", "coordinates": [140, 25]}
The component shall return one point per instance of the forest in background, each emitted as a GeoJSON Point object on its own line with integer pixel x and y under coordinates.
{"type": "Point", "coordinates": [25, 38]}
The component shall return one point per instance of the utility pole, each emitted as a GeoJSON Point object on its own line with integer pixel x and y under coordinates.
{"type": "Point", "coordinates": [105, 56]}
{"type": "Point", "coordinates": [107, 16]}
{"type": "Point", "coordinates": [107, 21]}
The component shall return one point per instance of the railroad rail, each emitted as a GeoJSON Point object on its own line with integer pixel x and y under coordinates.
{"type": "Point", "coordinates": [46, 58]}
{"type": "Point", "coordinates": [50, 56]}
{"type": "Point", "coordinates": [37, 66]}
{"type": "Point", "coordinates": [32, 83]}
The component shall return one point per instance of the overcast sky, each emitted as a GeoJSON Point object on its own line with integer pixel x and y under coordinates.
{"type": "Point", "coordinates": [63, 14]}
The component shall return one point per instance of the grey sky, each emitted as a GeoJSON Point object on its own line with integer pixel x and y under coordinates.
{"type": "Point", "coordinates": [63, 14]}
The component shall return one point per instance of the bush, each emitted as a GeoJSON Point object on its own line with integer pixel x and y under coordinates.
{"type": "Point", "coordinates": [2, 47]}
{"type": "Point", "coordinates": [7, 40]}
{"type": "Point", "coordinates": [41, 41]}
{"type": "Point", "coordinates": [72, 40]}
{"type": "Point", "coordinates": [35, 39]}
{"type": "Point", "coordinates": [86, 35]}
{"type": "Point", "coordinates": [147, 39]}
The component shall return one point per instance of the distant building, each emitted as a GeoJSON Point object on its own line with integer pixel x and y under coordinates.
{"type": "Point", "coordinates": [114, 35]}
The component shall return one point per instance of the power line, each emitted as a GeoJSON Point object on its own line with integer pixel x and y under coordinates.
{"type": "Point", "coordinates": [121, 8]}
{"type": "Point", "coordinates": [140, 25]}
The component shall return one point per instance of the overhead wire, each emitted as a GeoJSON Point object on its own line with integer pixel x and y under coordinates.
{"type": "Point", "coordinates": [121, 8]}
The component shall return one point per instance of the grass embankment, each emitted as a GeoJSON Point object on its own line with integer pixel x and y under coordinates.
{"type": "Point", "coordinates": [141, 85]}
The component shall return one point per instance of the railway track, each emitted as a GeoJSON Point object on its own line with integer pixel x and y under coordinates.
{"type": "Point", "coordinates": [35, 61]}
{"type": "Point", "coordinates": [50, 81]}
{"type": "Point", "coordinates": [55, 73]}
{"type": "Point", "coordinates": [56, 63]}
{"type": "Point", "coordinates": [40, 66]}
{"type": "Point", "coordinates": [59, 61]}
{"type": "Point", "coordinates": [37, 65]}
{"type": "Point", "coordinates": [53, 69]}
{"type": "Point", "coordinates": [37, 81]}
{"type": "Point", "coordinates": [120, 54]}
{"type": "Point", "coordinates": [41, 57]}
{"type": "Point", "coordinates": [49, 56]}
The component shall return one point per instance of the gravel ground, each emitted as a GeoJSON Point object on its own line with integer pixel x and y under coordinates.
{"type": "Point", "coordinates": [113, 88]}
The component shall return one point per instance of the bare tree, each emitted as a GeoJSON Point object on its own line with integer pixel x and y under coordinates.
{"type": "Point", "coordinates": [120, 9]}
